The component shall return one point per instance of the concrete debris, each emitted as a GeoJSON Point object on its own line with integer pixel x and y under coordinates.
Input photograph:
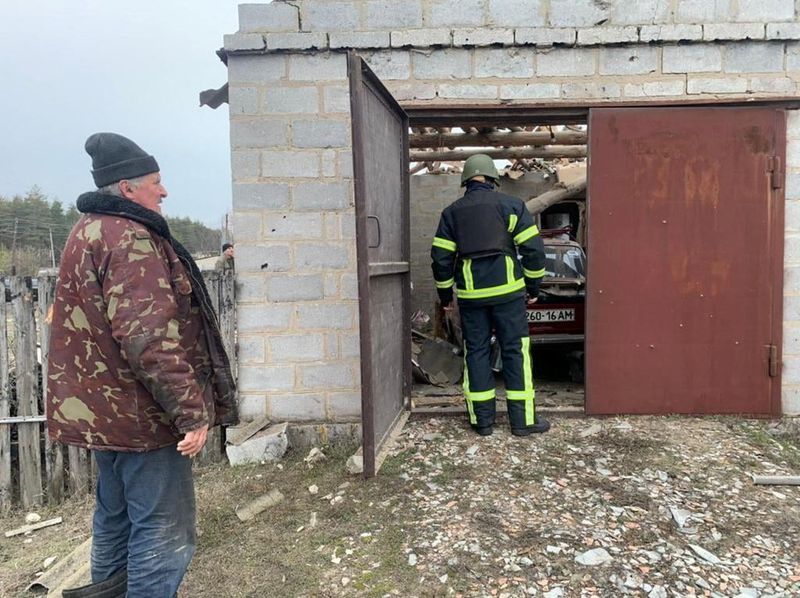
{"type": "Point", "coordinates": [267, 445]}
{"type": "Point", "coordinates": [258, 505]}
{"type": "Point", "coordinates": [313, 489]}
{"type": "Point", "coordinates": [315, 455]}
{"type": "Point", "coordinates": [680, 516]}
{"type": "Point", "coordinates": [594, 557]}
{"type": "Point", "coordinates": [33, 527]}
{"type": "Point", "coordinates": [435, 361]}
{"type": "Point", "coordinates": [33, 518]}
{"type": "Point", "coordinates": [355, 465]}
{"type": "Point", "coordinates": [705, 555]}
{"type": "Point", "coordinates": [48, 561]}
{"type": "Point", "coordinates": [236, 435]}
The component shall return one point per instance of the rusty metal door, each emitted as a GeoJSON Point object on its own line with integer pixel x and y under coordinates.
{"type": "Point", "coordinates": [380, 165]}
{"type": "Point", "coordinates": [685, 260]}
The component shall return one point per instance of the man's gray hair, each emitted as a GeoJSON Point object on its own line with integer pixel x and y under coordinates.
{"type": "Point", "coordinates": [113, 188]}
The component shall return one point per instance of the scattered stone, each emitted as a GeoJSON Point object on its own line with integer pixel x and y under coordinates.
{"type": "Point", "coordinates": [33, 518]}
{"type": "Point", "coordinates": [594, 557]}
{"type": "Point", "coordinates": [313, 489]}
{"type": "Point", "coordinates": [355, 465]}
{"type": "Point", "coordinates": [49, 561]}
{"type": "Point", "coordinates": [412, 559]}
{"type": "Point", "coordinates": [705, 555]}
{"type": "Point", "coordinates": [315, 455]}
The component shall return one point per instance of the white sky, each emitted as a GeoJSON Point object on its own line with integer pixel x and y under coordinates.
{"type": "Point", "coordinates": [70, 68]}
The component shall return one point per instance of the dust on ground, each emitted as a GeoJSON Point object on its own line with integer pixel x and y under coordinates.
{"type": "Point", "coordinates": [639, 506]}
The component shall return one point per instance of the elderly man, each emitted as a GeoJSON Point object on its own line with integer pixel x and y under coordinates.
{"type": "Point", "coordinates": [225, 261]}
{"type": "Point", "coordinates": [137, 373]}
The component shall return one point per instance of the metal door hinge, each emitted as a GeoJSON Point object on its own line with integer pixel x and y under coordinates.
{"type": "Point", "coordinates": [775, 171]}
{"type": "Point", "coordinates": [773, 361]}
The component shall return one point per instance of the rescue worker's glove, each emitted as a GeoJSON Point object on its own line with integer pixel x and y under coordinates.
{"type": "Point", "coordinates": [532, 288]}
{"type": "Point", "coordinates": [445, 296]}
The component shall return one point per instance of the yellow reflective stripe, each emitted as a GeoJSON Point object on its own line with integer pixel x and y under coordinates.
{"type": "Point", "coordinates": [472, 418]}
{"type": "Point", "coordinates": [527, 375]}
{"type": "Point", "coordinates": [519, 395]}
{"type": "Point", "coordinates": [533, 273]}
{"type": "Point", "coordinates": [512, 223]}
{"type": "Point", "coordinates": [444, 244]}
{"type": "Point", "coordinates": [445, 284]}
{"type": "Point", "coordinates": [503, 289]}
{"type": "Point", "coordinates": [466, 269]}
{"type": "Point", "coordinates": [484, 395]}
{"type": "Point", "coordinates": [528, 233]}
{"type": "Point", "coordinates": [510, 278]}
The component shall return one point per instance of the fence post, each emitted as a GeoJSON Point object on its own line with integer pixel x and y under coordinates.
{"type": "Point", "coordinates": [5, 407]}
{"type": "Point", "coordinates": [30, 465]}
{"type": "Point", "coordinates": [212, 450]}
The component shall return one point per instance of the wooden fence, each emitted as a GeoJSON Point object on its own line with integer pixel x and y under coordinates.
{"type": "Point", "coordinates": [32, 469]}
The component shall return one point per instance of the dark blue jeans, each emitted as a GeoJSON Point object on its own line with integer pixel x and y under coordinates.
{"type": "Point", "coordinates": [144, 520]}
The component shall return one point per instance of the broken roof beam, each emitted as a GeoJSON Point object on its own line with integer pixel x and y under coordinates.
{"type": "Point", "coordinates": [561, 151]}
{"type": "Point", "coordinates": [514, 138]}
{"type": "Point", "coordinates": [541, 202]}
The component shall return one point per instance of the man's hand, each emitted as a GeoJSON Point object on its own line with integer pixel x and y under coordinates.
{"type": "Point", "coordinates": [448, 306]}
{"type": "Point", "coordinates": [193, 441]}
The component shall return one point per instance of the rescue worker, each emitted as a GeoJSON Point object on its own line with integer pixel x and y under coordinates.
{"type": "Point", "coordinates": [488, 246]}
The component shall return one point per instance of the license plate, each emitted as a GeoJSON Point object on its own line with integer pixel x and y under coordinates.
{"type": "Point", "coordinates": [551, 315]}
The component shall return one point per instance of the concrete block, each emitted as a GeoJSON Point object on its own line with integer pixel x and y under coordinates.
{"type": "Point", "coordinates": [793, 153]}
{"type": "Point", "coordinates": [631, 60]}
{"type": "Point", "coordinates": [348, 222]}
{"type": "Point", "coordinates": [716, 85]}
{"type": "Point", "coordinates": [578, 13]}
{"type": "Point", "coordinates": [261, 378]}
{"type": "Point", "coordinates": [293, 225]}
{"type": "Point", "coordinates": [269, 445]}
{"type": "Point", "coordinates": [591, 90]}
{"type": "Point", "coordinates": [566, 63]}
{"type": "Point", "coordinates": [320, 133]}
{"type": "Point", "coordinates": [325, 66]}
{"type": "Point", "coordinates": [321, 256]}
{"type": "Point", "coordinates": [360, 39]}
{"type": "Point", "coordinates": [327, 376]}
{"type": "Point", "coordinates": [296, 41]}
{"type": "Point", "coordinates": [484, 36]}
{"type": "Point", "coordinates": [344, 161]}
{"type": "Point", "coordinates": [243, 100]}
{"type": "Point", "coordinates": [670, 33]}
{"type": "Point", "coordinates": [793, 125]}
{"type": "Point", "coordinates": [234, 42]}
{"type": "Point", "coordinates": [350, 345]}
{"type": "Point", "coordinates": [783, 30]}
{"type": "Point", "coordinates": [336, 99]}
{"type": "Point", "coordinates": [545, 36]}
{"type": "Point", "coordinates": [311, 435]}
{"type": "Point", "coordinates": [322, 196]}
{"type": "Point", "coordinates": [517, 13]}
{"type": "Point", "coordinates": [782, 85]}
{"type": "Point", "coordinates": [703, 11]}
{"type": "Point", "coordinates": [331, 291]}
{"type": "Point", "coordinates": [329, 163]}
{"type": "Point", "coordinates": [252, 406]}
{"type": "Point", "coordinates": [332, 346]}
{"type": "Point", "coordinates": [389, 65]}
{"type": "Point", "coordinates": [287, 287]}
{"type": "Point", "coordinates": [754, 58]}
{"type": "Point", "coordinates": [291, 100]}
{"type": "Point", "coordinates": [393, 14]}
{"type": "Point", "coordinates": [791, 313]}
{"type": "Point", "coordinates": [244, 165]}
{"type": "Point", "coordinates": [765, 10]}
{"type": "Point", "coordinates": [641, 12]}
{"type": "Point", "coordinates": [277, 16]}
{"type": "Point", "coordinates": [326, 16]}
{"type": "Point", "coordinates": [326, 316]}
{"type": "Point", "coordinates": [421, 38]}
{"type": "Point", "coordinates": [792, 215]}
{"type": "Point", "coordinates": [247, 226]}
{"type": "Point", "coordinates": [263, 318]}
{"type": "Point", "coordinates": [676, 87]}
{"type": "Point", "coordinates": [463, 92]}
{"type": "Point", "coordinates": [530, 91]}
{"type": "Point", "coordinates": [793, 56]}
{"type": "Point", "coordinates": [420, 91]}
{"type": "Point", "coordinates": [258, 133]}
{"type": "Point", "coordinates": [791, 250]}
{"type": "Point", "coordinates": [256, 69]}
{"type": "Point", "coordinates": [296, 347]}
{"type": "Point", "coordinates": [289, 164]}
{"type": "Point", "coordinates": [344, 406]}
{"type": "Point", "coordinates": [259, 196]}
{"type": "Point", "coordinates": [250, 348]}
{"type": "Point", "coordinates": [444, 64]}
{"type": "Point", "coordinates": [793, 188]}
{"type": "Point", "coordinates": [598, 36]}
{"type": "Point", "coordinates": [699, 58]}
{"type": "Point", "coordinates": [250, 288]}
{"type": "Point", "coordinates": [790, 374]}
{"type": "Point", "coordinates": [790, 400]}
{"type": "Point", "coordinates": [504, 64]}
{"type": "Point", "coordinates": [733, 31]}
{"type": "Point", "coordinates": [348, 286]}
{"type": "Point", "coordinates": [456, 13]}
{"type": "Point", "coordinates": [263, 258]}
{"type": "Point", "coordinates": [297, 407]}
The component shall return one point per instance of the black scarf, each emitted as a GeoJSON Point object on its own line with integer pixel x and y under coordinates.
{"type": "Point", "coordinates": [102, 203]}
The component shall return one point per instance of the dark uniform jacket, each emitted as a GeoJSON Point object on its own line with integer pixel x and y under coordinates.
{"type": "Point", "coordinates": [136, 358]}
{"type": "Point", "coordinates": [488, 246]}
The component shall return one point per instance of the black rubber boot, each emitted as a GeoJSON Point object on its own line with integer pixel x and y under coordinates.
{"type": "Point", "coordinates": [115, 586]}
{"type": "Point", "coordinates": [541, 426]}
{"type": "Point", "coordinates": [484, 431]}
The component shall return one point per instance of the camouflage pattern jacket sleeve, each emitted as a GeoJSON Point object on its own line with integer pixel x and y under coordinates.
{"type": "Point", "coordinates": [129, 363]}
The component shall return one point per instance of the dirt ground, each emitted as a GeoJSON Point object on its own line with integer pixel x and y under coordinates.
{"type": "Point", "coordinates": [638, 506]}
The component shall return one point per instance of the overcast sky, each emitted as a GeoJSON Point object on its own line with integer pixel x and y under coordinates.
{"type": "Point", "coordinates": [70, 68]}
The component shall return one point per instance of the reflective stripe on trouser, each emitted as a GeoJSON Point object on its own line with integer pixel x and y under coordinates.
{"type": "Point", "coordinates": [476, 329]}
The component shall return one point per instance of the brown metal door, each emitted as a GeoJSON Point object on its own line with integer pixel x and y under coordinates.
{"type": "Point", "coordinates": [380, 164]}
{"type": "Point", "coordinates": [685, 260]}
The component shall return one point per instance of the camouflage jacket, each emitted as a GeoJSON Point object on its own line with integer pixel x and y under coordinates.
{"type": "Point", "coordinates": [136, 359]}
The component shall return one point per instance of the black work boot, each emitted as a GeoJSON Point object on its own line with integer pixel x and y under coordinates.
{"type": "Point", "coordinates": [541, 426]}
{"type": "Point", "coordinates": [115, 586]}
{"type": "Point", "coordinates": [484, 430]}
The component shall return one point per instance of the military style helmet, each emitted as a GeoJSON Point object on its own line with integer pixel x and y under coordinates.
{"type": "Point", "coordinates": [477, 165]}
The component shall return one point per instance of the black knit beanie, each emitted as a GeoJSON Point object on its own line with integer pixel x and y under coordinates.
{"type": "Point", "coordinates": [115, 158]}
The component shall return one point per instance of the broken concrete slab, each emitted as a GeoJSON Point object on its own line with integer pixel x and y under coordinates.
{"type": "Point", "coordinates": [236, 435]}
{"type": "Point", "coordinates": [355, 464]}
{"type": "Point", "coordinates": [268, 445]}
{"type": "Point", "coordinates": [257, 505]}
{"type": "Point", "coordinates": [436, 361]}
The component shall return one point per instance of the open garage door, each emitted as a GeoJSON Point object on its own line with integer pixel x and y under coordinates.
{"type": "Point", "coordinates": [380, 164]}
{"type": "Point", "coordinates": [685, 260]}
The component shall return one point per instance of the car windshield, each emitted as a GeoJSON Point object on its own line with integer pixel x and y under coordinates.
{"type": "Point", "coordinates": [563, 261]}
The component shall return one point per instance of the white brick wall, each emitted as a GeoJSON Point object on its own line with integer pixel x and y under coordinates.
{"type": "Point", "coordinates": [791, 260]}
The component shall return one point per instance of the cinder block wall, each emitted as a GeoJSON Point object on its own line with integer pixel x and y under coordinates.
{"type": "Point", "coordinates": [291, 153]}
